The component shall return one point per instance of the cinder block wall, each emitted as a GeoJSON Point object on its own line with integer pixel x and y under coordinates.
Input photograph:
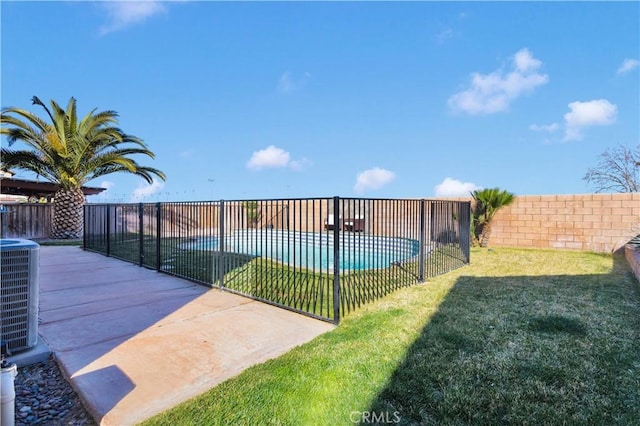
{"type": "Point", "coordinates": [633, 257]}
{"type": "Point", "coordinates": [595, 222]}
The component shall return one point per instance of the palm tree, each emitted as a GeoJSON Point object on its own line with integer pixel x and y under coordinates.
{"type": "Point", "coordinates": [69, 153]}
{"type": "Point", "coordinates": [253, 213]}
{"type": "Point", "coordinates": [487, 203]}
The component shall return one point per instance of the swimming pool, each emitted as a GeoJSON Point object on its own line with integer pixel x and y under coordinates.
{"type": "Point", "coordinates": [312, 250]}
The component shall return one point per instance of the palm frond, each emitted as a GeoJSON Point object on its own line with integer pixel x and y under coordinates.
{"type": "Point", "coordinates": [36, 121]}
{"type": "Point", "coordinates": [69, 151]}
{"type": "Point", "coordinates": [147, 173]}
{"type": "Point", "coordinates": [27, 134]}
{"type": "Point", "coordinates": [93, 121]}
{"type": "Point", "coordinates": [36, 101]}
{"type": "Point", "coordinates": [73, 116]}
{"type": "Point", "coordinates": [489, 201]}
{"type": "Point", "coordinates": [28, 160]}
{"type": "Point", "coordinates": [60, 123]}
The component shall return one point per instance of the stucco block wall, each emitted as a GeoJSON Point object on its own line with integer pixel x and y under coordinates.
{"type": "Point", "coordinates": [633, 257]}
{"type": "Point", "coordinates": [596, 222]}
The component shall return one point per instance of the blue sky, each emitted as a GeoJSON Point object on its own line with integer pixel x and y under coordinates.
{"type": "Point", "coordinates": [297, 99]}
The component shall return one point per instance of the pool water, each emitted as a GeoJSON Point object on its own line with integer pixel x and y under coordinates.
{"type": "Point", "coordinates": [314, 250]}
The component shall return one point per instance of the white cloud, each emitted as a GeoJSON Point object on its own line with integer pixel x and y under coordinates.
{"type": "Point", "coordinates": [188, 153]}
{"type": "Point", "coordinates": [598, 112]}
{"type": "Point", "coordinates": [270, 157]}
{"type": "Point", "coordinates": [553, 127]}
{"type": "Point", "coordinates": [123, 14]}
{"type": "Point", "coordinates": [107, 185]}
{"type": "Point", "coordinates": [491, 93]}
{"type": "Point", "coordinates": [287, 83]}
{"type": "Point", "coordinates": [444, 35]}
{"type": "Point", "coordinates": [144, 191]}
{"type": "Point", "coordinates": [454, 188]}
{"type": "Point", "coordinates": [274, 157]}
{"type": "Point", "coordinates": [525, 62]}
{"type": "Point", "coordinates": [628, 65]}
{"type": "Point", "coordinates": [300, 165]}
{"type": "Point", "coordinates": [373, 179]}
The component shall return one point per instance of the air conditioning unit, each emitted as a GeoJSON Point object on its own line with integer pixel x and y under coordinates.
{"type": "Point", "coordinates": [19, 288]}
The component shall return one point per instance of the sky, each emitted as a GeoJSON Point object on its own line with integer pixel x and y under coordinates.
{"type": "Point", "coordinates": [255, 100]}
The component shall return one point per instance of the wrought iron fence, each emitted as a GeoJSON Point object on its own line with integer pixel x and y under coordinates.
{"type": "Point", "coordinates": [323, 257]}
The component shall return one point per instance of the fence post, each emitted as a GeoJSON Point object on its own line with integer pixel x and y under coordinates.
{"type": "Point", "coordinates": [84, 227]}
{"type": "Point", "coordinates": [140, 234]}
{"type": "Point", "coordinates": [422, 241]}
{"type": "Point", "coordinates": [288, 217]}
{"type": "Point", "coordinates": [158, 234]}
{"type": "Point", "coordinates": [108, 230]}
{"type": "Point", "coordinates": [221, 244]}
{"type": "Point", "coordinates": [466, 226]}
{"type": "Point", "coordinates": [336, 260]}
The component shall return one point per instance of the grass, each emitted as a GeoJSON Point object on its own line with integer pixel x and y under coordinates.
{"type": "Point", "coordinates": [57, 243]}
{"type": "Point", "coordinates": [518, 337]}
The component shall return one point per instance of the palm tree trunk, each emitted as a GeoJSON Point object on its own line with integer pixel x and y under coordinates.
{"type": "Point", "coordinates": [68, 214]}
{"type": "Point", "coordinates": [485, 234]}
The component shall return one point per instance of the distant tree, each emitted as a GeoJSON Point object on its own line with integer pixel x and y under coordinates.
{"type": "Point", "coordinates": [253, 212]}
{"type": "Point", "coordinates": [618, 170]}
{"type": "Point", "coordinates": [70, 151]}
{"type": "Point", "coordinates": [487, 203]}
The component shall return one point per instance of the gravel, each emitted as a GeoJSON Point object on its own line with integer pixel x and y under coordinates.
{"type": "Point", "coordinates": [45, 397]}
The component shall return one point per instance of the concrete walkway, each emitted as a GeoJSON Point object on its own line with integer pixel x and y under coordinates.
{"type": "Point", "coordinates": [136, 342]}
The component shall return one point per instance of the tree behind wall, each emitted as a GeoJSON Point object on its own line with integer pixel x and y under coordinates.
{"type": "Point", "coordinates": [253, 213]}
{"type": "Point", "coordinates": [618, 170]}
{"type": "Point", "coordinates": [487, 203]}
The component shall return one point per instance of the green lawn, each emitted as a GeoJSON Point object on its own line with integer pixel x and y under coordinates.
{"type": "Point", "coordinates": [518, 337]}
{"type": "Point", "coordinates": [56, 243]}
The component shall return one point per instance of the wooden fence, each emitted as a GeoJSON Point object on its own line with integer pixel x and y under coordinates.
{"type": "Point", "coordinates": [31, 221]}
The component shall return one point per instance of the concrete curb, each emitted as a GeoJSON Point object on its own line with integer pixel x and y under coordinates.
{"type": "Point", "coordinates": [40, 352]}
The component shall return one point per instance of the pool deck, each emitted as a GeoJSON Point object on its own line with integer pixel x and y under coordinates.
{"type": "Point", "coordinates": [135, 342]}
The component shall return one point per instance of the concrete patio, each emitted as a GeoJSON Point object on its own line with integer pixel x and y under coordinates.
{"type": "Point", "coordinates": [135, 342]}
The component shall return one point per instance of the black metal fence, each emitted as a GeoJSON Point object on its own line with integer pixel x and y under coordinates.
{"type": "Point", "coordinates": [323, 257]}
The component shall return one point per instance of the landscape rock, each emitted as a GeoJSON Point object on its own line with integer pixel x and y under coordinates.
{"type": "Point", "coordinates": [44, 396]}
